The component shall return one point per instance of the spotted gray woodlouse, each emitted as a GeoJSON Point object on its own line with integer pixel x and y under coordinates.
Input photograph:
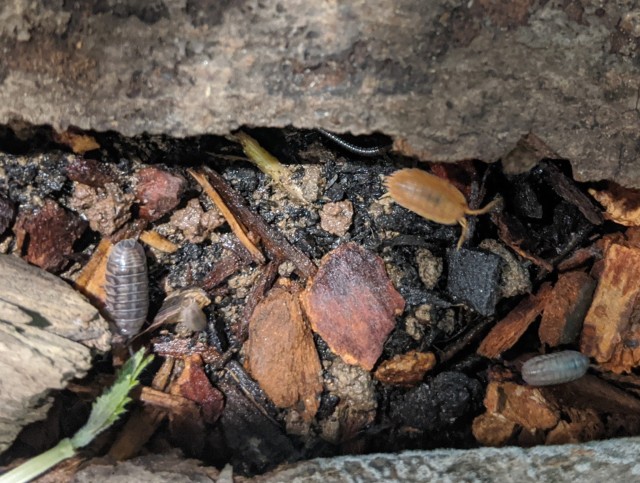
{"type": "Point", "coordinates": [555, 368]}
{"type": "Point", "coordinates": [127, 286]}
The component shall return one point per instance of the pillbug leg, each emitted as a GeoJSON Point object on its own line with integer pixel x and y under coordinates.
{"type": "Point", "coordinates": [465, 232]}
{"type": "Point", "coordinates": [486, 209]}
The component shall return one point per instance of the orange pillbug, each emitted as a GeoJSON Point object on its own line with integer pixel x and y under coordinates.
{"type": "Point", "coordinates": [432, 198]}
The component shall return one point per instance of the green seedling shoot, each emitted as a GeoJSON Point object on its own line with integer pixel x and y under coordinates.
{"type": "Point", "coordinates": [105, 411]}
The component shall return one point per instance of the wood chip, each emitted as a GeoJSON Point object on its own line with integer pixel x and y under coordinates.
{"type": "Point", "coordinates": [591, 392]}
{"type": "Point", "coordinates": [45, 236]}
{"type": "Point", "coordinates": [491, 429]}
{"type": "Point", "coordinates": [78, 142]}
{"type": "Point", "coordinates": [524, 405]}
{"type": "Point", "coordinates": [509, 330]}
{"type": "Point", "coordinates": [622, 205]}
{"type": "Point", "coordinates": [235, 225]}
{"type": "Point", "coordinates": [566, 308]}
{"type": "Point", "coordinates": [626, 355]}
{"type": "Point", "coordinates": [157, 241]}
{"type": "Point", "coordinates": [352, 304]}
{"type": "Point", "coordinates": [276, 245]}
{"type": "Point", "coordinates": [609, 316]}
{"type": "Point", "coordinates": [194, 385]}
{"type": "Point", "coordinates": [405, 369]}
{"type": "Point", "coordinates": [583, 425]}
{"type": "Point", "coordinates": [91, 280]}
{"type": "Point", "coordinates": [567, 189]}
{"type": "Point", "coordinates": [281, 354]}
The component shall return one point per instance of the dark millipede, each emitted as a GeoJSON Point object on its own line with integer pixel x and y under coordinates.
{"type": "Point", "coordinates": [372, 151]}
{"type": "Point", "coordinates": [555, 368]}
{"type": "Point", "coordinates": [127, 287]}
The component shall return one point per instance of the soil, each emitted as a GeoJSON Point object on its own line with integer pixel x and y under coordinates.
{"type": "Point", "coordinates": [451, 297]}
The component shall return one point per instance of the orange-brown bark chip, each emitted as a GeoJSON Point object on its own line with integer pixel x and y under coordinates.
{"type": "Point", "coordinates": [493, 429]}
{"type": "Point", "coordinates": [405, 369]}
{"type": "Point", "coordinates": [352, 304]}
{"type": "Point", "coordinates": [622, 205]}
{"type": "Point", "coordinates": [509, 330]}
{"type": "Point", "coordinates": [626, 355]}
{"type": "Point", "coordinates": [524, 405]}
{"type": "Point", "coordinates": [566, 308]}
{"type": "Point", "coordinates": [281, 354]}
{"type": "Point", "coordinates": [609, 316]}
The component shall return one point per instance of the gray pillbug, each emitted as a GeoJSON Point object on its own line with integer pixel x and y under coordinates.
{"type": "Point", "coordinates": [127, 286]}
{"type": "Point", "coordinates": [556, 368]}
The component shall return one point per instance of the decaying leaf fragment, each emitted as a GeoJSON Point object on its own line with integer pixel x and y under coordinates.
{"type": "Point", "coordinates": [622, 205]}
{"type": "Point", "coordinates": [352, 304]}
{"type": "Point", "coordinates": [281, 354]}
{"type": "Point", "coordinates": [609, 316]}
{"type": "Point", "coordinates": [509, 330]}
{"type": "Point", "coordinates": [405, 369]}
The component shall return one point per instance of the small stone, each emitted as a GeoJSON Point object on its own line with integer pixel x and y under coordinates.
{"type": "Point", "coordinates": [195, 224]}
{"type": "Point", "coordinates": [429, 267]}
{"type": "Point", "coordinates": [335, 218]}
{"type": "Point", "coordinates": [514, 278]}
{"type": "Point", "coordinates": [473, 278]}
{"type": "Point", "coordinates": [106, 209]}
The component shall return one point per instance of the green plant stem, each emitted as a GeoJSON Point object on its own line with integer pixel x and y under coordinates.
{"type": "Point", "coordinates": [41, 463]}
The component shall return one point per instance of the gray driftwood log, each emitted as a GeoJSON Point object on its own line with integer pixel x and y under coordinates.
{"type": "Point", "coordinates": [447, 79]}
{"type": "Point", "coordinates": [46, 333]}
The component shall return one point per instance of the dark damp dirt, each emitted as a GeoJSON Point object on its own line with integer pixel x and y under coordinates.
{"type": "Point", "coordinates": [445, 292]}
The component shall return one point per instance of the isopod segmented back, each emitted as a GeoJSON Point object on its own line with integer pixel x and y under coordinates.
{"type": "Point", "coordinates": [556, 368]}
{"type": "Point", "coordinates": [127, 286]}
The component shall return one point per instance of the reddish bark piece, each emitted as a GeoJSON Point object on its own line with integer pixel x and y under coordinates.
{"type": "Point", "coordinates": [281, 354]}
{"type": "Point", "coordinates": [524, 405]}
{"type": "Point", "coordinates": [46, 236]}
{"type": "Point", "coordinates": [609, 316]}
{"type": "Point", "coordinates": [158, 192]}
{"type": "Point", "coordinates": [352, 304]}
{"type": "Point", "coordinates": [89, 172]}
{"type": "Point", "coordinates": [509, 330]}
{"type": "Point", "coordinates": [566, 308]}
{"type": "Point", "coordinates": [194, 385]}
{"type": "Point", "coordinates": [405, 369]}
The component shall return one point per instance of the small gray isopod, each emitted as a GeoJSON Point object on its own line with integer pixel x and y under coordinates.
{"type": "Point", "coordinates": [127, 286]}
{"type": "Point", "coordinates": [556, 368]}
